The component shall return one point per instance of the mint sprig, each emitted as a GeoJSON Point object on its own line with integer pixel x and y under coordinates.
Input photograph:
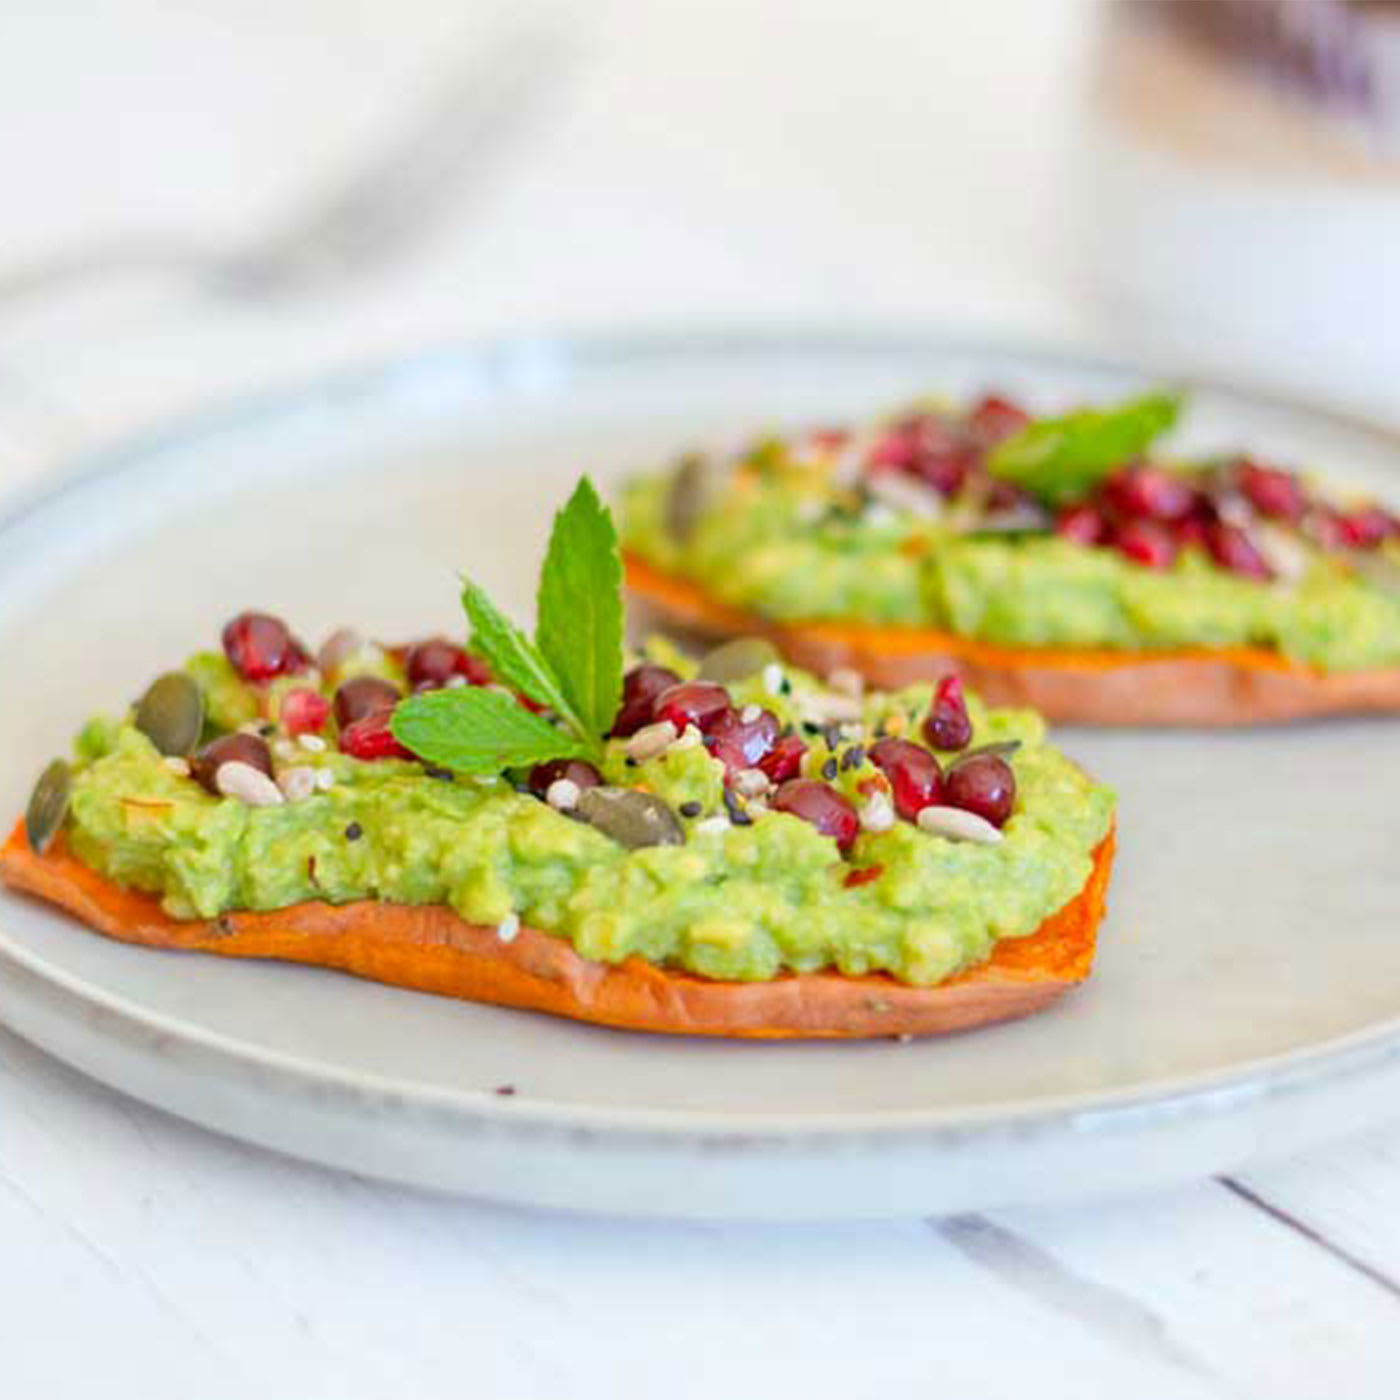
{"type": "Point", "coordinates": [573, 668]}
{"type": "Point", "coordinates": [1062, 459]}
{"type": "Point", "coordinates": [479, 731]}
{"type": "Point", "coordinates": [579, 631]}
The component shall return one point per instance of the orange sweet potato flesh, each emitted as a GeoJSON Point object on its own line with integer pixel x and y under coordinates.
{"type": "Point", "coordinates": [1197, 686]}
{"type": "Point", "coordinates": [430, 949]}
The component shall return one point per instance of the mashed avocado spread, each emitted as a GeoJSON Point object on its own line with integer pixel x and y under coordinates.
{"type": "Point", "coordinates": [740, 901]}
{"type": "Point", "coordinates": [797, 530]}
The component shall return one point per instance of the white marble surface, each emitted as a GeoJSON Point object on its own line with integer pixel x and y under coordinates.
{"type": "Point", "coordinates": [787, 162]}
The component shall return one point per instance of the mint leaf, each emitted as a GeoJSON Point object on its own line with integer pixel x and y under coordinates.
{"type": "Point", "coordinates": [1062, 459]}
{"type": "Point", "coordinates": [478, 731]}
{"type": "Point", "coordinates": [514, 659]}
{"type": "Point", "coordinates": [579, 626]}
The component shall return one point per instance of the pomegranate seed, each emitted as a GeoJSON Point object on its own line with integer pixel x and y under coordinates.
{"type": "Point", "coordinates": [857, 878]}
{"type": "Point", "coordinates": [261, 647]}
{"type": "Point", "coordinates": [996, 418]}
{"type": "Point", "coordinates": [430, 665]}
{"type": "Point", "coordinates": [739, 743]}
{"type": "Point", "coordinates": [926, 447]}
{"type": "Point", "coordinates": [230, 748]}
{"type": "Point", "coordinates": [784, 760]}
{"type": "Point", "coordinates": [984, 784]}
{"type": "Point", "coordinates": [1149, 493]}
{"type": "Point", "coordinates": [370, 738]}
{"type": "Point", "coordinates": [1082, 525]}
{"type": "Point", "coordinates": [304, 711]}
{"type": "Point", "coordinates": [1271, 491]}
{"type": "Point", "coordinates": [1147, 543]}
{"type": "Point", "coordinates": [1192, 533]}
{"type": "Point", "coordinates": [640, 687]}
{"type": "Point", "coordinates": [1367, 527]}
{"type": "Point", "coordinates": [821, 806]}
{"type": "Point", "coordinates": [701, 703]}
{"type": "Point", "coordinates": [829, 439]}
{"type": "Point", "coordinates": [581, 774]}
{"type": "Point", "coordinates": [948, 726]}
{"type": "Point", "coordinates": [915, 777]}
{"type": "Point", "coordinates": [362, 696]}
{"type": "Point", "coordinates": [1007, 496]}
{"type": "Point", "coordinates": [1232, 549]}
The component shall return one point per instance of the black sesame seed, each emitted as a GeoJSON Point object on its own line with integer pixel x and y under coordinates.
{"type": "Point", "coordinates": [852, 758]}
{"type": "Point", "coordinates": [809, 728]}
{"type": "Point", "coordinates": [630, 762]}
{"type": "Point", "coordinates": [690, 809]}
{"type": "Point", "coordinates": [786, 687]}
{"type": "Point", "coordinates": [267, 729]}
{"type": "Point", "coordinates": [735, 809]}
{"type": "Point", "coordinates": [829, 769]}
{"type": "Point", "coordinates": [443, 775]}
{"type": "Point", "coordinates": [831, 733]}
{"type": "Point", "coordinates": [354, 831]}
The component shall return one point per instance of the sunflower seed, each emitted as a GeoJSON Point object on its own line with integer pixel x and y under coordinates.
{"type": "Point", "coordinates": [957, 825]}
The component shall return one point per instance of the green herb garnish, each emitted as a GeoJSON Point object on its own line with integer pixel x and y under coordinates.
{"type": "Point", "coordinates": [573, 667]}
{"type": "Point", "coordinates": [1062, 459]}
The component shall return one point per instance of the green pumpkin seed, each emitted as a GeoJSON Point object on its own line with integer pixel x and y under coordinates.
{"type": "Point", "coordinates": [1004, 748]}
{"type": "Point", "coordinates": [737, 660]}
{"type": "Point", "coordinates": [171, 714]}
{"type": "Point", "coordinates": [632, 819]}
{"type": "Point", "coordinates": [690, 492]}
{"type": "Point", "coordinates": [48, 805]}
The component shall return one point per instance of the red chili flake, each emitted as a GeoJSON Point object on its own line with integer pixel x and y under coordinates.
{"type": "Point", "coordinates": [855, 878]}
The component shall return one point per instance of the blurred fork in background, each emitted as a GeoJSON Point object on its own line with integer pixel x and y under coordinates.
{"type": "Point", "coordinates": [372, 213]}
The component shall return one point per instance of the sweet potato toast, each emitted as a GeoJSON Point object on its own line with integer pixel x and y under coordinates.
{"type": "Point", "coordinates": [431, 949]}
{"type": "Point", "coordinates": [1197, 686]}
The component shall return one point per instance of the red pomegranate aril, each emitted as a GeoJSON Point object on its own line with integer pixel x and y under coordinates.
{"type": "Point", "coordinates": [1083, 524]}
{"type": "Point", "coordinates": [820, 806]}
{"type": "Point", "coordinates": [1367, 527]}
{"type": "Point", "coordinates": [995, 419]}
{"type": "Point", "coordinates": [362, 696]}
{"type": "Point", "coordinates": [544, 775]}
{"type": "Point", "coordinates": [1147, 543]}
{"type": "Point", "coordinates": [984, 784]}
{"type": "Point", "coordinates": [1232, 549]}
{"type": "Point", "coordinates": [304, 711]}
{"type": "Point", "coordinates": [1270, 490]}
{"type": "Point", "coordinates": [701, 703]}
{"type": "Point", "coordinates": [370, 738]}
{"type": "Point", "coordinates": [1149, 493]}
{"type": "Point", "coordinates": [829, 439]}
{"type": "Point", "coordinates": [230, 748]}
{"type": "Point", "coordinates": [784, 760]}
{"type": "Point", "coordinates": [1193, 532]}
{"type": "Point", "coordinates": [948, 726]}
{"type": "Point", "coordinates": [926, 447]}
{"type": "Point", "coordinates": [430, 665]}
{"type": "Point", "coordinates": [916, 780]}
{"type": "Point", "coordinates": [640, 687]}
{"type": "Point", "coordinates": [856, 878]}
{"type": "Point", "coordinates": [739, 743]}
{"type": "Point", "coordinates": [260, 647]}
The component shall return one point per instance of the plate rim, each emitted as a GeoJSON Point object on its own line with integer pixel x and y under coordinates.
{"type": "Point", "coordinates": [1207, 1093]}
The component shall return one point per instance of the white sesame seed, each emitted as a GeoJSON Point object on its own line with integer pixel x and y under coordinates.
{"type": "Point", "coordinates": [756, 807]}
{"type": "Point", "coordinates": [710, 825]}
{"type": "Point", "coordinates": [177, 765]}
{"type": "Point", "coordinates": [285, 750]}
{"type": "Point", "coordinates": [750, 713]}
{"type": "Point", "coordinates": [773, 678]}
{"type": "Point", "coordinates": [298, 783]}
{"type": "Point", "coordinates": [562, 794]}
{"type": "Point", "coordinates": [312, 743]}
{"type": "Point", "coordinates": [325, 779]}
{"type": "Point", "coordinates": [689, 740]}
{"type": "Point", "coordinates": [456, 682]}
{"type": "Point", "coordinates": [958, 825]}
{"type": "Point", "coordinates": [750, 782]}
{"type": "Point", "coordinates": [830, 707]}
{"type": "Point", "coordinates": [508, 928]}
{"type": "Point", "coordinates": [877, 813]}
{"type": "Point", "coordinates": [248, 784]}
{"type": "Point", "coordinates": [252, 726]}
{"type": "Point", "coordinates": [847, 681]}
{"type": "Point", "coordinates": [651, 740]}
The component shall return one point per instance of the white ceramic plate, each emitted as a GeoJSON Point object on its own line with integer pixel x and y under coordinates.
{"type": "Point", "coordinates": [1247, 997]}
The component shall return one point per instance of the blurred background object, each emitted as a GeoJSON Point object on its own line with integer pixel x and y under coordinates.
{"type": "Point", "coordinates": [1214, 179]}
{"type": "Point", "coordinates": [1245, 205]}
